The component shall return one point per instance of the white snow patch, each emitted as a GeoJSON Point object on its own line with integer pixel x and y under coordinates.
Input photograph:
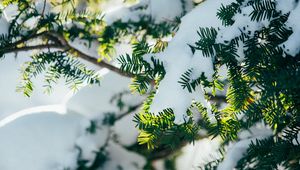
{"type": "Point", "coordinates": [4, 25]}
{"type": "Point", "coordinates": [292, 45]}
{"type": "Point", "coordinates": [10, 12]}
{"type": "Point", "coordinates": [126, 131]}
{"type": "Point", "coordinates": [285, 6]}
{"type": "Point", "coordinates": [91, 143]}
{"type": "Point", "coordinates": [159, 10]}
{"type": "Point", "coordinates": [198, 154]}
{"type": "Point", "coordinates": [237, 150]}
{"type": "Point", "coordinates": [84, 101]}
{"type": "Point", "coordinates": [40, 141]}
{"type": "Point", "coordinates": [117, 154]}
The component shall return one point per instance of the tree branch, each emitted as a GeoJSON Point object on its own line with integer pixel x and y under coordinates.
{"type": "Point", "coordinates": [13, 46]}
{"type": "Point", "coordinates": [66, 46]}
{"type": "Point", "coordinates": [34, 47]}
{"type": "Point", "coordinates": [60, 43]}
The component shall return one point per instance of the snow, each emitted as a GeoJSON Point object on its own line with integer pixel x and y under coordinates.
{"type": "Point", "coordinates": [84, 103]}
{"type": "Point", "coordinates": [121, 13]}
{"type": "Point", "coordinates": [10, 72]}
{"type": "Point", "coordinates": [297, 140]}
{"type": "Point", "coordinates": [244, 24]}
{"type": "Point", "coordinates": [292, 45]}
{"type": "Point", "coordinates": [198, 154]}
{"type": "Point", "coordinates": [43, 132]}
{"type": "Point", "coordinates": [4, 25]}
{"type": "Point", "coordinates": [51, 133]}
{"type": "Point", "coordinates": [236, 150]}
{"type": "Point", "coordinates": [285, 6]}
{"type": "Point", "coordinates": [10, 12]}
{"type": "Point", "coordinates": [91, 143]}
{"type": "Point", "coordinates": [52, 127]}
{"type": "Point", "coordinates": [31, 23]}
{"type": "Point", "coordinates": [120, 158]}
{"type": "Point", "coordinates": [39, 141]}
{"type": "Point", "coordinates": [85, 47]}
{"type": "Point", "coordinates": [58, 108]}
{"type": "Point", "coordinates": [159, 10]}
{"type": "Point", "coordinates": [41, 7]}
{"type": "Point", "coordinates": [159, 164]}
{"type": "Point", "coordinates": [178, 58]}
{"type": "Point", "coordinates": [52, 140]}
{"type": "Point", "coordinates": [84, 100]}
{"type": "Point", "coordinates": [126, 136]}
{"type": "Point", "coordinates": [53, 148]}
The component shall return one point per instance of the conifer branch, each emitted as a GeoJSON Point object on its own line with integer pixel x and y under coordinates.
{"type": "Point", "coordinates": [66, 46]}
{"type": "Point", "coordinates": [60, 43]}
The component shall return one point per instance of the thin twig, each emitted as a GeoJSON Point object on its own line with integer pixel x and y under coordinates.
{"type": "Point", "coordinates": [130, 110]}
{"type": "Point", "coordinates": [44, 6]}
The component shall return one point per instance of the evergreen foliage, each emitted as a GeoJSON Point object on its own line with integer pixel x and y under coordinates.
{"type": "Point", "coordinates": [56, 65]}
{"type": "Point", "coordinates": [263, 87]}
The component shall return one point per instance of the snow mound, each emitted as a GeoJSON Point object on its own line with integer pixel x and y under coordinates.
{"type": "Point", "coordinates": [43, 141]}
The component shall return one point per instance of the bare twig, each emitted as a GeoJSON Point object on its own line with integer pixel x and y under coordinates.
{"type": "Point", "coordinates": [44, 6]}
{"type": "Point", "coordinates": [130, 110]}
